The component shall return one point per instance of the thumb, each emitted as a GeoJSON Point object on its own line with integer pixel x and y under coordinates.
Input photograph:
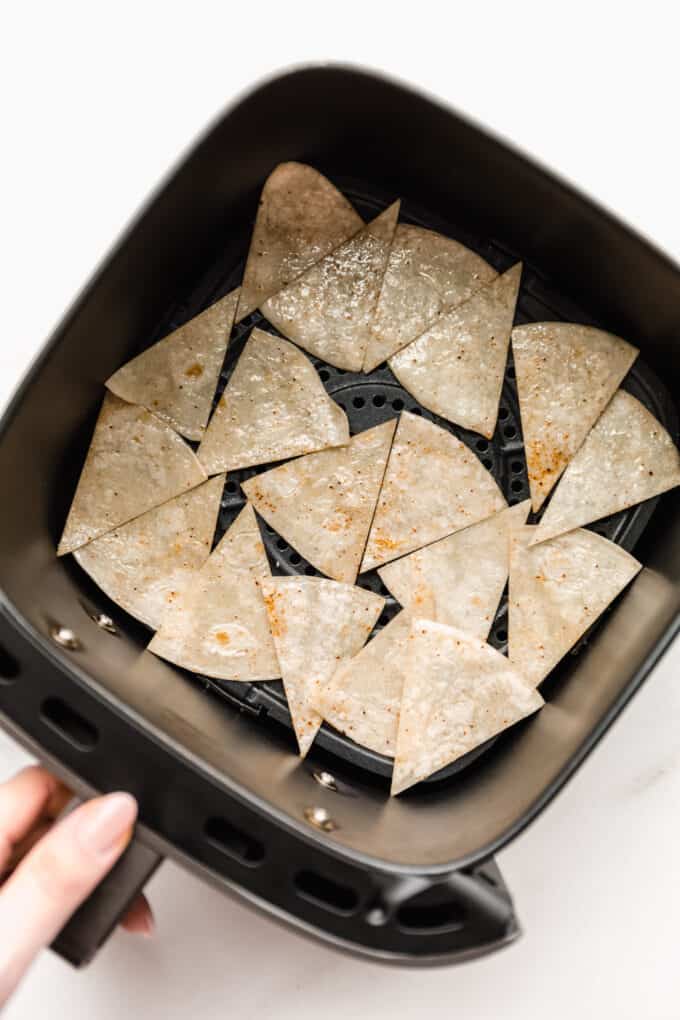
{"type": "Point", "coordinates": [56, 876]}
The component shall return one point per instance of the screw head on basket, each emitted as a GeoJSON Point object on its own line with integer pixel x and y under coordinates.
{"type": "Point", "coordinates": [320, 819]}
{"type": "Point", "coordinates": [325, 779]}
{"type": "Point", "coordinates": [65, 637]}
{"type": "Point", "coordinates": [104, 621]}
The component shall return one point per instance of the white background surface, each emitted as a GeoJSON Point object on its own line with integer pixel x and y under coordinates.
{"type": "Point", "coordinates": [97, 102]}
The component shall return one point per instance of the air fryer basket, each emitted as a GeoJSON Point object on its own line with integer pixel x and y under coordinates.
{"type": "Point", "coordinates": [318, 844]}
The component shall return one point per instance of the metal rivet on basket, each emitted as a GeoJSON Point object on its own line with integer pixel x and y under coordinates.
{"type": "Point", "coordinates": [325, 779]}
{"type": "Point", "coordinates": [376, 916]}
{"type": "Point", "coordinates": [320, 819]}
{"type": "Point", "coordinates": [104, 621]}
{"type": "Point", "coordinates": [65, 637]}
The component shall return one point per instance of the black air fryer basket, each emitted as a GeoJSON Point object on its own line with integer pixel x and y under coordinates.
{"type": "Point", "coordinates": [319, 844]}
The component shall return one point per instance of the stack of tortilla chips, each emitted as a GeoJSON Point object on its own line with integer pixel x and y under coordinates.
{"type": "Point", "coordinates": [406, 497]}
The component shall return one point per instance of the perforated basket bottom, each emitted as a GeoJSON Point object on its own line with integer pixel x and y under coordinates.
{"type": "Point", "coordinates": [371, 399]}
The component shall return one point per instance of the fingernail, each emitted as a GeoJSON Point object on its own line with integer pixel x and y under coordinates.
{"type": "Point", "coordinates": [105, 823]}
{"type": "Point", "coordinates": [147, 926]}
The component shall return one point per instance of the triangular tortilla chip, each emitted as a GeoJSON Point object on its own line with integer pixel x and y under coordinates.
{"type": "Point", "coordinates": [458, 693]}
{"type": "Point", "coordinates": [427, 274]}
{"type": "Point", "coordinates": [434, 485]}
{"type": "Point", "coordinates": [362, 699]}
{"type": "Point", "coordinates": [566, 375]}
{"type": "Point", "coordinates": [557, 590]}
{"type": "Point", "coordinates": [135, 462]}
{"type": "Point", "coordinates": [315, 625]}
{"type": "Point", "coordinates": [627, 457]}
{"type": "Point", "coordinates": [145, 563]}
{"type": "Point", "coordinates": [274, 406]}
{"type": "Point", "coordinates": [329, 310]}
{"type": "Point", "coordinates": [218, 625]}
{"type": "Point", "coordinates": [458, 580]}
{"type": "Point", "coordinates": [323, 504]}
{"type": "Point", "coordinates": [176, 379]}
{"type": "Point", "coordinates": [456, 368]}
{"type": "Point", "coordinates": [301, 218]}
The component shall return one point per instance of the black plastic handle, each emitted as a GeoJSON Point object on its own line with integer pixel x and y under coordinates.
{"type": "Point", "coordinates": [96, 918]}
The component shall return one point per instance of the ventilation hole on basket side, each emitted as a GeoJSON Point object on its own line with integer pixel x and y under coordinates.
{"type": "Point", "coordinates": [9, 667]}
{"type": "Point", "coordinates": [503, 413]}
{"type": "Point", "coordinates": [516, 467]}
{"type": "Point", "coordinates": [502, 634]}
{"type": "Point", "coordinates": [235, 843]}
{"type": "Point", "coordinates": [358, 402]}
{"type": "Point", "coordinates": [517, 485]}
{"type": "Point", "coordinates": [482, 445]}
{"type": "Point", "coordinates": [281, 544]}
{"type": "Point", "coordinates": [398, 404]}
{"type": "Point", "coordinates": [69, 724]}
{"type": "Point", "coordinates": [326, 892]}
{"type": "Point", "coordinates": [324, 374]}
{"type": "Point", "coordinates": [426, 918]}
{"type": "Point", "coordinates": [509, 431]}
{"type": "Point", "coordinates": [231, 487]}
{"type": "Point", "coordinates": [378, 400]}
{"type": "Point", "coordinates": [295, 558]}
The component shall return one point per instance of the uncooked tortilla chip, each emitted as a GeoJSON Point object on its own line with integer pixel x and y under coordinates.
{"type": "Point", "coordinates": [426, 274]}
{"type": "Point", "coordinates": [362, 699]}
{"type": "Point", "coordinates": [301, 218]}
{"type": "Point", "coordinates": [566, 375]}
{"type": "Point", "coordinates": [458, 580]}
{"type": "Point", "coordinates": [322, 504]}
{"type": "Point", "coordinates": [177, 377]}
{"type": "Point", "coordinates": [458, 693]}
{"type": "Point", "coordinates": [135, 462]}
{"type": "Point", "coordinates": [557, 590]}
{"type": "Point", "coordinates": [434, 485]}
{"type": "Point", "coordinates": [456, 368]}
{"type": "Point", "coordinates": [144, 564]}
{"type": "Point", "coordinates": [315, 624]}
{"type": "Point", "coordinates": [218, 624]}
{"type": "Point", "coordinates": [329, 310]}
{"type": "Point", "coordinates": [274, 406]}
{"type": "Point", "coordinates": [627, 457]}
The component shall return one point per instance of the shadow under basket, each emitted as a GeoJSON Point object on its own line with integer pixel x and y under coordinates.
{"type": "Point", "coordinates": [318, 844]}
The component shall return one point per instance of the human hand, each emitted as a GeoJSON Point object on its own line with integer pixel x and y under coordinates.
{"type": "Point", "coordinates": [48, 868]}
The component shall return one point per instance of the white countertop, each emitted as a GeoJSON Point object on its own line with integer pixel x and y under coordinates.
{"type": "Point", "coordinates": [97, 111]}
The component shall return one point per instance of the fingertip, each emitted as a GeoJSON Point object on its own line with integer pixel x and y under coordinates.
{"type": "Point", "coordinates": [139, 919]}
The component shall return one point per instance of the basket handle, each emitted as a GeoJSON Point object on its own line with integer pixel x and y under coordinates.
{"type": "Point", "coordinates": [96, 918]}
{"type": "Point", "coordinates": [489, 920]}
